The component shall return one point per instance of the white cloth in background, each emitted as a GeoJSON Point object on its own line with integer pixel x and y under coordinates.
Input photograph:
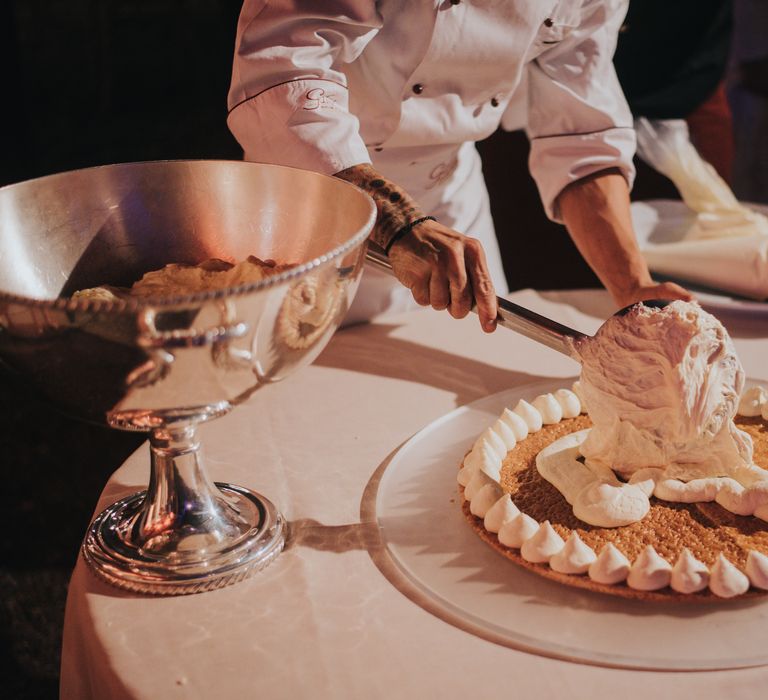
{"type": "Point", "coordinates": [733, 264]}
{"type": "Point", "coordinates": [666, 146]}
{"type": "Point", "coordinates": [716, 241]}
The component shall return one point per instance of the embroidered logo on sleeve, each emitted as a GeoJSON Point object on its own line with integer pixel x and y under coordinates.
{"type": "Point", "coordinates": [318, 98]}
{"type": "Point", "coordinates": [442, 172]}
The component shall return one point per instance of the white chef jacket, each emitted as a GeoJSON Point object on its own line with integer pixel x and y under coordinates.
{"type": "Point", "coordinates": [409, 85]}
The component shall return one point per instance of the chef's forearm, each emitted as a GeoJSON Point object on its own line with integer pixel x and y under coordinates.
{"type": "Point", "coordinates": [396, 207]}
{"type": "Point", "coordinates": [596, 213]}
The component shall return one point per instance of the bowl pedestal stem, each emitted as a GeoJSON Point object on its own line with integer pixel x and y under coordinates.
{"type": "Point", "coordinates": [184, 533]}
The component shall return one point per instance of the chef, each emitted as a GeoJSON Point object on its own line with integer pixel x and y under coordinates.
{"type": "Point", "coordinates": [392, 96]}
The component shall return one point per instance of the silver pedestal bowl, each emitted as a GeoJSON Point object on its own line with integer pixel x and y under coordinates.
{"type": "Point", "coordinates": [165, 364]}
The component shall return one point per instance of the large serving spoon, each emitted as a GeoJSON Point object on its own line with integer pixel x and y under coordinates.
{"type": "Point", "coordinates": [526, 322]}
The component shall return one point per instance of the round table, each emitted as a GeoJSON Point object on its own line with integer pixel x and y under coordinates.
{"type": "Point", "coordinates": [323, 621]}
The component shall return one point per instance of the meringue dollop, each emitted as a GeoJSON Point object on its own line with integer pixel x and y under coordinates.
{"type": "Point", "coordinates": [662, 386]}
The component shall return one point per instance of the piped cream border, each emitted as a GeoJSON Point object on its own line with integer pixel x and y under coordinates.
{"type": "Point", "coordinates": [539, 543]}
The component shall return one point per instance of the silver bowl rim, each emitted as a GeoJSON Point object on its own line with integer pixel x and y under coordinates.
{"type": "Point", "coordinates": [123, 305]}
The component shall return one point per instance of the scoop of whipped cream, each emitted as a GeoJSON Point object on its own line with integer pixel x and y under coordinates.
{"type": "Point", "coordinates": [662, 387]}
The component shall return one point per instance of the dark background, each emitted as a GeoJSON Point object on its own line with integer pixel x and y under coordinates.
{"type": "Point", "coordinates": [100, 81]}
{"type": "Point", "coordinates": [86, 82]}
{"type": "Point", "coordinates": [89, 82]}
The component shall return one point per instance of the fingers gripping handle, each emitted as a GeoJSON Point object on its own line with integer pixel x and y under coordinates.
{"type": "Point", "coordinates": [514, 317]}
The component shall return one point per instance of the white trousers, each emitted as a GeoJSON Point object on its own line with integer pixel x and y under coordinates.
{"type": "Point", "coordinates": [447, 182]}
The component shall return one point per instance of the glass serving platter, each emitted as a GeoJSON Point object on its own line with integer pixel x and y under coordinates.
{"type": "Point", "coordinates": [432, 555]}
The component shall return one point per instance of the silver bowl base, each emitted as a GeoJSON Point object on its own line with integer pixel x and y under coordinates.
{"type": "Point", "coordinates": [122, 564]}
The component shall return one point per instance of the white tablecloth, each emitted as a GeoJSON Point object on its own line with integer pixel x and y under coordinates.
{"type": "Point", "coordinates": [322, 621]}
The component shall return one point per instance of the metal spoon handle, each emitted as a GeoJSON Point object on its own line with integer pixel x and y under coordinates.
{"type": "Point", "coordinates": [515, 317]}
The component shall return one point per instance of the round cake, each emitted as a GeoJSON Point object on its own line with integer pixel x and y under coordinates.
{"type": "Point", "coordinates": [678, 510]}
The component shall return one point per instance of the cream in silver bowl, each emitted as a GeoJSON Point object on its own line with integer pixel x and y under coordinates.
{"type": "Point", "coordinates": [165, 363]}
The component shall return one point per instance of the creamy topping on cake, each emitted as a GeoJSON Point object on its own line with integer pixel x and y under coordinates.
{"type": "Point", "coordinates": [649, 571]}
{"type": "Point", "coordinates": [530, 415]}
{"type": "Point", "coordinates": [575, 557]}
{"type": "Point", "coordinates": [569, 402]}
{"type": "Point", "coordinates": [516, 531]}
{"type": "Point", "coordinates": [597, 496]}
{"type": "Point", "coordinates": [545, 543]}
{"type": "Point", "coordinates": [483, 458]}
{"type": "Point", "coordinates": [465, 475]}
{"type": "Point", "coordinates": [757, 569]}
{"type": "Point", "coordinates": [762, 511]}
{"type": "Point", "coordinates": [499, 513]}
{"type": "Point", "coordinates": [478, 480]}
{"type": "Point", "coordinates": [725, 580]}
{"type": "Point", "coordinates": [504, 432]}
{"type": "Point", "coordinates": [483, 500]}
{"type": "Point", "coordinates": [611, 566]}
{"type": "Point", "coordinates": [493, 442]}
{"type": "Point", "coordinates": [518, 426]}
{"type": "Point", "coordinates": [752, 401]}
{"type": "Point", "coordinates": [689, 575]}
{"type": "Point", "coordinates": [662, 387]}
{"type": "Point", "coordinates": [550, 409]}
{"type": "Point", "coordinates": [595, 489]}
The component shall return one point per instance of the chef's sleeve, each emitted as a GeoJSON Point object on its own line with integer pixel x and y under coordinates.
{"type": "Point", "coordinates": [288, 101]}
{"type": "Point", "coordinates": [578, 120]}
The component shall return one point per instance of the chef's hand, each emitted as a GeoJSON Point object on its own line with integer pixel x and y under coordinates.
{"type": "Point", "coordinates": [442, 268]}
{"type": "Point", "coordinates": [445, 269]}
{"type": "Point", "coordinates": [668, 291]}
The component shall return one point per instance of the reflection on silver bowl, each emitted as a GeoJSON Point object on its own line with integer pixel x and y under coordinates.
{"type": "Point", "coordinates": [165, 364]}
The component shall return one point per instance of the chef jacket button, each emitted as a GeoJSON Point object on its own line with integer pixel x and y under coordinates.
{"type": "Point", "coordinates": [418, 88]}
{"type": "Point", "coordinates": [494, 102]}
{"type": "Point", "coordinates": [548, 22]}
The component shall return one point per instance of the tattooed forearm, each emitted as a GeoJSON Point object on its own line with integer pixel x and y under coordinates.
{"type": "Point", "coordinates": [396, 207]}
